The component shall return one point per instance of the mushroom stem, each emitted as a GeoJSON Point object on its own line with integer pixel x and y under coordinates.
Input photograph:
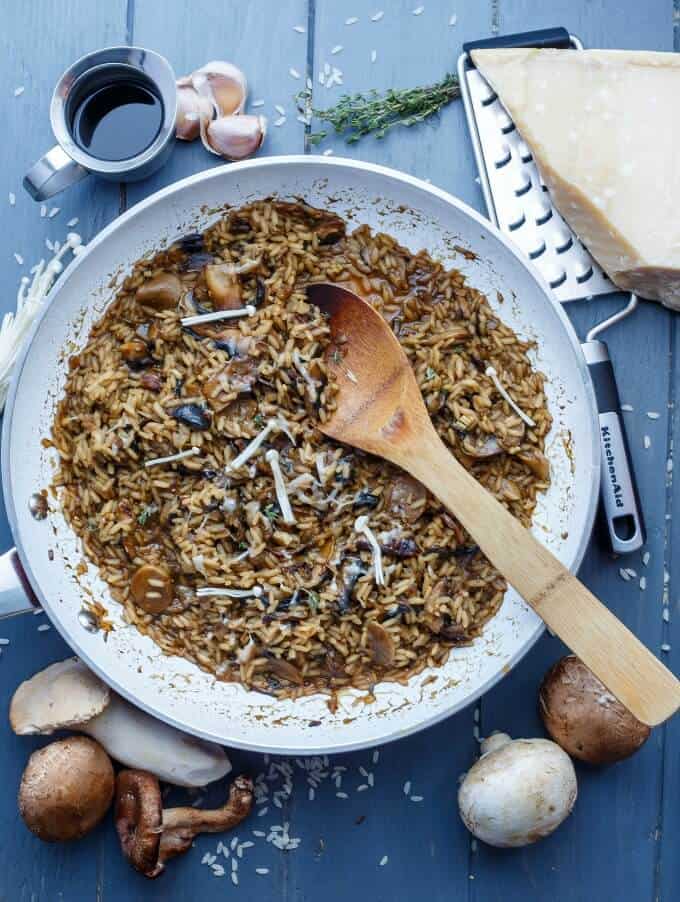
{"type": "Point", "coordinates": [139, 740]}
{"type": "Point", "coordinates": [150, 836]}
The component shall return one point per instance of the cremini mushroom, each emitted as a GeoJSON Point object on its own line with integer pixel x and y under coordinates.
{"type": "Point", "coordinates": [68, 695]}
{"type": "Point", "coordinates": [406, 498]}
{"type": "Point", "coordinates": [66, 789]}
{"type": "Point", "coordinates": [151, 588]}
{"type": "Point", "coordinates": [161, 292]}
{"type": "Point", "coordinates": [151, 836]}
{"type": "Point", "coordinates": [518, 792]}
{"type": "Point", "coordinates": [582, 716]}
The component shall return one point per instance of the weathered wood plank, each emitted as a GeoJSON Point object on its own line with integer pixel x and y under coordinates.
{"type": "Point", "coordinates": [618, 808]}
{"type": "Point", "coordinates": [263, 43]}
{"type": "Point", "coordinates": [37, 42]}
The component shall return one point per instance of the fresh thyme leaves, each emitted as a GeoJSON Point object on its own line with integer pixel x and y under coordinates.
{"type": "Point", "coordinates": [272, 512]}
{"type": "Point", "coordinates": [373, 113]}
{"type": "Point", "coordinates": [146, 514]}
{"type": "Point", "coordinates": [313, 600]}
{"type": "Point", "coordinates": [258, 419]}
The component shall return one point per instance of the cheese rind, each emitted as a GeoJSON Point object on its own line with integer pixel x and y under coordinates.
{"type": "Point", "coordinates": [604, 130]}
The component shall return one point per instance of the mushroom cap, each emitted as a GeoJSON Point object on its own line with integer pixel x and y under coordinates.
{"type": "Point", "coordinates": [518, 792]}
{"type": "Point", "coordinates": [139, 819]}
{"type": "Point", "coordinates": [66, 789]}
{"type": "Point", "coordinates": [582, 716]}
{"type": "Point", "coordinates": [63, 695]}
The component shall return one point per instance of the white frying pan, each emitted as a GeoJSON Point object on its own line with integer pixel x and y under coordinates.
{"type": "Point", "coordinates": [418, 215]}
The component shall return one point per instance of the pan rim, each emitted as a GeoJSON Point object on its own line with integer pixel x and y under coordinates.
{"type": "Point", "coordinates": [232, 172]}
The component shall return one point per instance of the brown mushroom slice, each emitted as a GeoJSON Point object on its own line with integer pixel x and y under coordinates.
{"type": "Point", "coordinates": [151, 381]}
{"type": "Point", "coordinates": [150, 836]}
{"type": "Point", "coordinates": [537, 462]}
{"type": "Point", "coordinates": [482, 449]}
{"type": "Point", "coordinates": [66, 789]}
{"type": "Point", "coordinates": [583, 717]}
{"type": "Point", "coordinates": [161, 292]}
{"type": "Point", "coordinates": [380, 644]}
{"type": "Point", "coordinates": [406, 498]}
{"type": "Point", "coordinates": [152, 588]}
{"type": "Point", "coordinates": [284, 670]}
{"type": "Point", "coordinates": [224, 286]}
{"type": "Point", "coordinates": [139, 816]}
{"type": "Point", "coordinates": [135, 351]}
{"type": "Point", "coordinates": [239, 375]}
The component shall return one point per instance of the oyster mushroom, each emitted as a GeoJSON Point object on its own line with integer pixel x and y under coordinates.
{"type": "Point", "coordinates": [583, 717]}
{"type": "Point", "coordinates": [406, 498]}
{"type": "Point", "coordinates": [68, 695]}
{"type": "Point", "coordinates": [66, 789]}
{"type": "Point", "coordinates": [518, 792]}
{"type": "Point", "coordinates": [151, 836]}
{"type": "Point", "coordinates": [488, 447]}
{"type": "Point", "coordinates": [380, 644]}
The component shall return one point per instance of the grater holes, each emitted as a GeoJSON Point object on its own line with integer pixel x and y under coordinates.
{"type": "Point", "coordinates": [489, 98]}
{"type": "Point", "coordinates": [583, 273]}
{"type": "Point", "coordinates": [554, 275]}
{"type": "Point", "coordinates": [524, 152]}
{"type": "Point", "coordinates": [543, 215]}
{"type": "Point", "coordinates": [518, 221]}
{"type": "Point", "coordinates": [537, 251]}
{"type": "Point", "coordinates": [502, 156]}
{"type": "Point", "coordinates": [563, 242]}
{"type": "Point", "coordinates": [524, 185]}
{"type": "Point", "coordinates": [505, 123]}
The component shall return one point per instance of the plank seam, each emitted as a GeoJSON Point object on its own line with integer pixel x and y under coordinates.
{"type": "Point", "coordinates": [667, 542]}
{"type": "Point", "coordinates": [309, 63]}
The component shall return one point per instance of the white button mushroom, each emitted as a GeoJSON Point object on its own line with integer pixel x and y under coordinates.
{"type": "Point", "coordinates": [518, 792]}
{"type": "Point", "coordinates": [68, 695]}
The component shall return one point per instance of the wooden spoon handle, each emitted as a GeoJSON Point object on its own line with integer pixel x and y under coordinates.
{"type": "Point", "coordinates": [647, 688]}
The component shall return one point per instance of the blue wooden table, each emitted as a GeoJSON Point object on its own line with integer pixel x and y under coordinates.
{"type": "Point", "coordinates": [621, 841]}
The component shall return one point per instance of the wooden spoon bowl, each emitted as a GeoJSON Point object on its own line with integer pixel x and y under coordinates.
{"type": "Point", "coordinates": [379, 408]}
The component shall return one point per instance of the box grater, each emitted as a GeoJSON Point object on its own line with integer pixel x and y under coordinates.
{"type": "Point", "coordinates": [519, 204]}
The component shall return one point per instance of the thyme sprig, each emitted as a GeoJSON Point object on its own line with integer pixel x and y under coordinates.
{"type": "Point", "coordinates": [374, 113]}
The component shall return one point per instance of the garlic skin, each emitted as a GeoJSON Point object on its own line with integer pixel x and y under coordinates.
{"type": "Point", "coordinates": [223, 85]}
{"type": "Point", "coordinates": [192, 110]}
{"type": "Point", "coordinates": [234, 137]}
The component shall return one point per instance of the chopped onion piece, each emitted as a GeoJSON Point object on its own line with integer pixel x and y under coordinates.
{"type": "Point", "coordinates": [192, 452]}
{"type": "Point", "coordinates": [493, 375]}
{"type": "Point", "coordinates": [207, 591]}
{"type": "Point", "coordinates": [216, 315]}
{"type": "Point", "coordinates": [272, 458]}
{"type": "Point", "coordinates": [361, 525]}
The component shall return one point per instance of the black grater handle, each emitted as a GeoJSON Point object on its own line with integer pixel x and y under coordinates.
{"type": "Point", "coordinates": [620, 498]}
{"type": "Point", "coordinates": [542, 37]}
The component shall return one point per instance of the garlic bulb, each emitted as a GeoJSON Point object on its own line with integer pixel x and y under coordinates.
{"type": "Point", "coordinates": [224, 85]}
{"type": "Point", "coordinates": [192, 109]}
{"type": "Point", "coordinates": [234, 137]}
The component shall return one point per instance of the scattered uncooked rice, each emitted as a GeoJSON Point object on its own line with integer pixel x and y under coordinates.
{"type": "Point", "coordinates": [145, 388]}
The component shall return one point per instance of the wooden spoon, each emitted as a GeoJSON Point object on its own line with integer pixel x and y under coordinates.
{"type": "Point", "coordinates": [380, 410]}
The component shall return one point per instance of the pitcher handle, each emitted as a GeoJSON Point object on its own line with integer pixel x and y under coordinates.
{"type": "Point", "coordinates": [16, 595]}
{"type": "Point", "coordinates": [53, 173]}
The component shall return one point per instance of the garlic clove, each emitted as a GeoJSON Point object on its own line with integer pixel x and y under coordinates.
{"type": "Point", "coordinates": [224, 85]}
{"type": "Point", "coordinates": [234, 137]}
{"type": "Point", "coordinates": [192, 110]}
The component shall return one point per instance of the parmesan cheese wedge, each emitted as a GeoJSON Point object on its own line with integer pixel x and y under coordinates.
{"type": "Point", "coordinates": [604, 130]}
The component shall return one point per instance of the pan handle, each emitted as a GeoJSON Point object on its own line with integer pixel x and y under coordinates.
{"type": "Point", "coordinates": [619, 492]}
{"type": "Point", "coordinates": [16, 595]}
